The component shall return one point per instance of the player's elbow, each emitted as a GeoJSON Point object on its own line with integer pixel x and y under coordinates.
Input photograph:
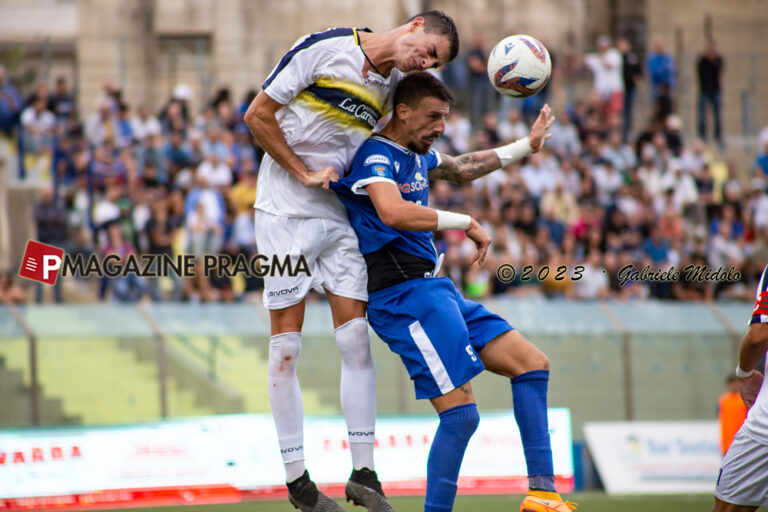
{"type": "Point", "coordinates": [389, 216]}
{"type": "Point", "coordinates": [251, 118]}
{"type": "Point", "coordinates": [255, 119]}
{"type": "Point", "coordinates": [757, 335]}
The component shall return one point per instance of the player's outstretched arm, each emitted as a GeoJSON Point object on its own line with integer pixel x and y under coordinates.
{"type": "Point", "coordinates": [396, 212]}
{"type": "Point", "coordinates": [470, 166]}
{"type": "Point", "coordinates": [261, 121]}
{"type": "Point", "coordinates": [753, 348]}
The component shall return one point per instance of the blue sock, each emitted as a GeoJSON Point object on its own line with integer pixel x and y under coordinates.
{"type": "Point", "coordinates": [456, 427]}
{"type": "Point", "coordinates": [529, 392]}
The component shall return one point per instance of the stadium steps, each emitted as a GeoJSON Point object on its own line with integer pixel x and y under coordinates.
{"type": "Point", "coordinates": [100, 382]}
{"type": "Point", "coordinates": [17, 403]}
{"type": "Point", "coordinates": [210, 394]}
{"type": "Point", "coordinates": [240, 365]}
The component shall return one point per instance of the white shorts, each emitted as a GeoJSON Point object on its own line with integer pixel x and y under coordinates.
{"type": "Point", "coordinates": [330, 249]}
{"type": "Point", "coordinates": [743, 478]}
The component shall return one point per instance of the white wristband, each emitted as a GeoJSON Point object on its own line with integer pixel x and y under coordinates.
{"type": "Point", "coordinates": [742, 374]}
{"type": "Point", "coordinates": [451, 220]}
{"type": "Point", "coordinates": [514, 152]}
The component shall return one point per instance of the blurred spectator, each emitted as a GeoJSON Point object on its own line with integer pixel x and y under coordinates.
{"type": "Point", "coordinates": [458, 129]}
{"type": "Point", "coordinates": [631, 72]}
{"type": "Point", "coordinates": [128, 288]}
{"type": "Point", "coordinates": [723, 249]}
{"type": "Point", "coordinates": [215, 172]}
{"type": "Point", "coordinates": [606, 67]}
{"type": "Point", "coordinates": [204, 219]}
{"type": "Point", "coordinates": [710, 68]}
{"type": "Point", "coordinates": [479, 86]}
{"type": "Point", "coordinates": [124, 128]}
{"type": "Point", "coordinates": [619, 153]}
{"type": "Point", "coordinates": [564, 140]}
{"type": "Point", "coordinates": [537, 177]}
{"type": "Point", "coordinates": [594, 282]}
{"type": "Point", "coordinates": [731, 413]}
{"type": "Point", "coordinates": [62, 101]}
{"type": "Point", "coordinates": [662, 70]}
{"type": "Point", "coordinates": [663, 104]}
{"type": "Point", "coordinates": [10, 292]}
{"type": "Point", "coordinates": [10, 106]}
{"type": "Point", "coordinates": [51, 220]}
{"type": "Point", "coordinates": [100, 127]}
{"type": "Point", "coordinates": [761, 161]}
{"type": "Point", "coordinates": [39, 125]}
{"type": "Point", "coordinates": [144, 125]}
{"type": "Point", "coordinates": [512, 128]}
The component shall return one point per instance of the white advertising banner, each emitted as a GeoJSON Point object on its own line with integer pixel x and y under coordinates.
{"type": "Point", "coordinates": [656, 457]}
{"type": "Point", "coordinates": [236, 456]}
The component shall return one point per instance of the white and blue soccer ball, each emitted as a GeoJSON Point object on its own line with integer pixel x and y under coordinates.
{"type": "Point", "coordinates": [519, 66]}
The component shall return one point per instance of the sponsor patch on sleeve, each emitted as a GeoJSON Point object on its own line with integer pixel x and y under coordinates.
{"type": "Point", "coordinates": [377, 159]}
{"type": "Point", "coordinates": [380, 170]}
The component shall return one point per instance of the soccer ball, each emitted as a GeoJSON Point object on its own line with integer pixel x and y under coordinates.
{"type": "Point", "coordinates": [519, 66]}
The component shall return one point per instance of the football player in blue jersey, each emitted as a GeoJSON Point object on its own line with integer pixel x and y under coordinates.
{"type": "Point", "coordinates": [317, 107]}
{"type": "Point", "coordinates": [443, 339]}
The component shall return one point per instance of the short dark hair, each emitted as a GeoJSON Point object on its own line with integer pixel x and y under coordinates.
{"type": "Point", "coordinates": [418, 85]}
{"type": "Point", "coordinates": [440, 23]}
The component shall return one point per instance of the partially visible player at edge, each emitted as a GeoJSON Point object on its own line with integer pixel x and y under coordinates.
{"type": "Point", "coordinates": [317, 107]}
{"type": "Point", "coordinates": [742, 485]}
{"type": "Point", "coordinates": [443, 339]}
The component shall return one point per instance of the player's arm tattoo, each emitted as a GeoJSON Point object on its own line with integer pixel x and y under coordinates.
{"type": "Point", "coordinates": [465, 168]}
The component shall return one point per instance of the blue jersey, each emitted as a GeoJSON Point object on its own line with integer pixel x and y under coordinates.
{"type": "Point", "coordinates": [380, 159]}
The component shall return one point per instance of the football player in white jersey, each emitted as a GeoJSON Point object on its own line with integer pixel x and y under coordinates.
{"type": "Point", "coordinates": [316, 108]}
{"type": "Point", "coordinates": [742, 485]}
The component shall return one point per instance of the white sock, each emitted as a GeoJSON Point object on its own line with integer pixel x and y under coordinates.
{"type": "Point", "coordinates": [294, 470]}
{"type": "Point", "coordinates": [285, 399]}
{"type": "Point", "coordinates": [358, 390]}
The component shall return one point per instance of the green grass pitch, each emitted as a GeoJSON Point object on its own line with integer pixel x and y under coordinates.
{"type": "Point", "coordinates": [588, 502]}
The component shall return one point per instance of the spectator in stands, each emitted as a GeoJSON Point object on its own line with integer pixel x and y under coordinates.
{"type": "Point", "coordinates": [606, 67]}
{"type": "Point", "coordinates": [594, 283]}
{"type": "Point", "coordinates": [10, 107]}
{"type": "Point", "coordinates": [662, 70]}
{"type": "Point", "coordinates": [479, 86]}
{"type": "Point", "coordinates": [11, 292]}
{"type": "Point", "coordinates": [51, 220]}
{"type": "Point", "coordinates": [731, 412]}
{"type": "Point", "coordinates": [39, 125]}
{"type": "Point", "coordinates": [631, 73]}
{"type": "Point", "coordinates": [761, 160]}
{"type": "Point", "coordinates": [100, 127]}
{"type": "Point", "coordinates": [709, 68]}
{"type": "Point", "coordinates": [62, 101]}
{"type": "Point", "coordinates": [128, 288]}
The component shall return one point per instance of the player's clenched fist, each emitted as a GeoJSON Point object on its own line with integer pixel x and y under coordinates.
{"type": "Point", "coordinates": [321, 178]}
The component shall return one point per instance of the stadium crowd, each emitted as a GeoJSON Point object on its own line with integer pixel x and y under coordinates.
{"type": "Point", "coordinates": [601, 196]}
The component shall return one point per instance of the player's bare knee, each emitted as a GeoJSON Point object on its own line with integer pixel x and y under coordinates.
{"type": "Point", "coordinates": [354, 345]}
{"type": "Point", "coordinates": [535, 359]}
{"type": "Point", "coordinates": [284, 353]}
{"type": "Point", "coordinates": [542, 361]}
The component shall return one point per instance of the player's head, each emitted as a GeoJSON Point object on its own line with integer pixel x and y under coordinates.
{"type": "Point", "coordinates": [429, 40]}
{"type": "Point", "coordinates": [422, 103]}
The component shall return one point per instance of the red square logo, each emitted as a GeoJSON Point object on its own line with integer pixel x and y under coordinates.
{"type": "Point", "coordinates": [41, 262]}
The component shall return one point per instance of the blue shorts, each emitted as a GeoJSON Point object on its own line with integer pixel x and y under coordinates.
{"type": "Point", "coordinates": [435, 331]}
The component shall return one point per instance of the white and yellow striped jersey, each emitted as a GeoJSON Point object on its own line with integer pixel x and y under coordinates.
{"type": "Point", "coordinates": [330, 110]}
